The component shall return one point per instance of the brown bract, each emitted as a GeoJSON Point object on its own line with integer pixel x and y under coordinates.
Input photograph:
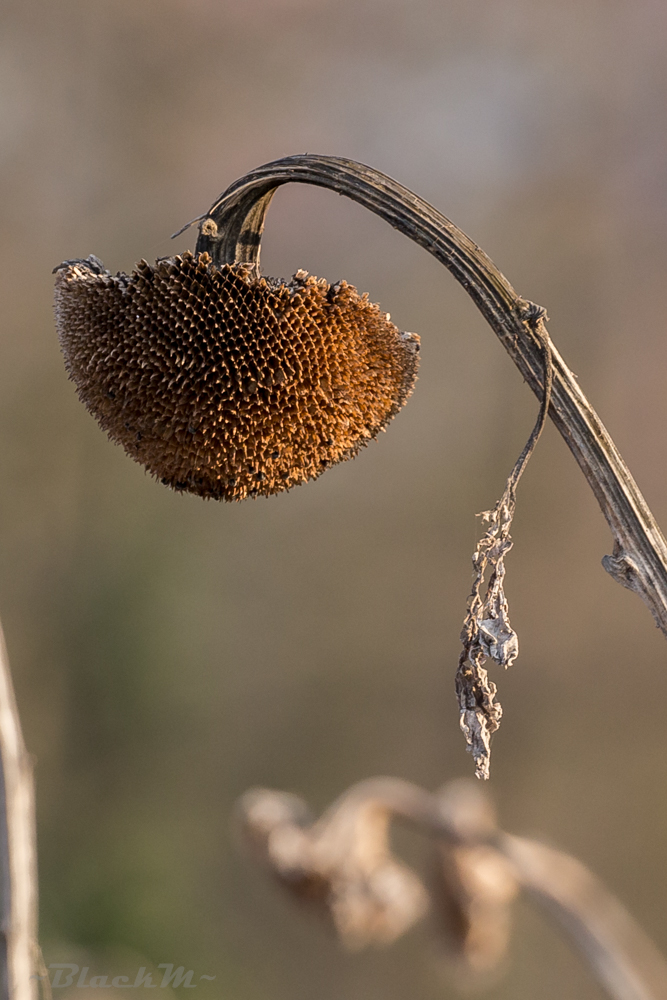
{"type": "Point", "coordinates": [224, 384]}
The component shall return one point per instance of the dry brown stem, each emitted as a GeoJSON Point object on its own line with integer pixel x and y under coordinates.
{"type": "Point", "coordinates": [18, 863]}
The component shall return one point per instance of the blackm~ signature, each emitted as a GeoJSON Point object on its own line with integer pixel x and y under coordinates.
{"type": "Point", "coordinates": [68, 974]}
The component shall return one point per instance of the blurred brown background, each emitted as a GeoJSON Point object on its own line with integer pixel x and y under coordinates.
{"type": "Point", "coordinates": [168, 653]}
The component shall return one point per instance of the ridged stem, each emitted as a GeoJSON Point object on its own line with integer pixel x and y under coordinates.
{"type": "Point", "coordinates": [231, 232]}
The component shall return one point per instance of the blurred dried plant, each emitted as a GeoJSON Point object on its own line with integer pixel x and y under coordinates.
{"type": "Point", "coordinates": [343, 862]}
{"type": "Point", "coordinates": [473, 886]}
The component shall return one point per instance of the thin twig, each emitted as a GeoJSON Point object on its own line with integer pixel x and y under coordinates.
{"type": "Point", "coordinates": [18, 863]}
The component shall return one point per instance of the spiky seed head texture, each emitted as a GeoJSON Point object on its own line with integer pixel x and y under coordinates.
{"type": "Point", "coordinates": [224, 384]}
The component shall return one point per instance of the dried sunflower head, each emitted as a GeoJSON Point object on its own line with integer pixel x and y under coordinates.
{"type": "Point", "coordinates": [226, 384]}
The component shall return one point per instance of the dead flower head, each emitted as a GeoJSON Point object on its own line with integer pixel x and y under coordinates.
{"type": "Point", "coordinates": [226, 384]}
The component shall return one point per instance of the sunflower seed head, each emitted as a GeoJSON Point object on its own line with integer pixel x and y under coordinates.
{"type": "Point", "coordinates": [228, 385]}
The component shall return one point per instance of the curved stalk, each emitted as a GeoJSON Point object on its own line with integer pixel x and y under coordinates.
{"type": "Point", "coordinates": [231, 232]}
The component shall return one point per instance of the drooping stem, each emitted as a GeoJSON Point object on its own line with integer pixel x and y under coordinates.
{"type": "Point", "coordinates": [231, 232]}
